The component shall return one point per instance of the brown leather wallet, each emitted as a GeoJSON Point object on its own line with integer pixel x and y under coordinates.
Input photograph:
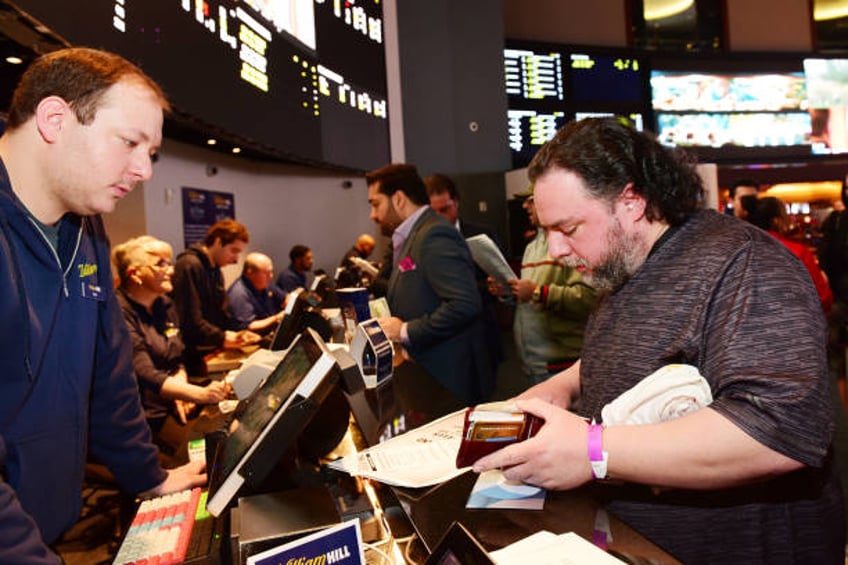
{"type": "Point", "coordinates": [489, 427]}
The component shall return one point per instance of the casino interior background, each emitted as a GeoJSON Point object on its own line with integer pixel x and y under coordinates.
{"type": "Point", "coordinates": [431, 68]}
{"type": "Point", "coordinates": [436, 134]}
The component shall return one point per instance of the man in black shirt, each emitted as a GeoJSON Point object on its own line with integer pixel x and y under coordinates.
{"type": "Point", "coordinates": [353, 271]}
{"type": "Point", "coordinates": [201, 298]}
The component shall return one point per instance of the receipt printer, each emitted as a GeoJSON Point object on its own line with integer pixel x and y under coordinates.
{"type": "Point", "coordinates": [372, 351]}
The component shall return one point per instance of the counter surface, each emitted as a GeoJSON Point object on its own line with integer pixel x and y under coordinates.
{"type": "Point", "coordinates": [411, 399]}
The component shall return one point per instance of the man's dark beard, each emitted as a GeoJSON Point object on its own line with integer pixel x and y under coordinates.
{"type": "Point", "coordinates": [615, 269]}
{"type": "Point", "coordinates": [610, 276]}
{"type": "Point", "coordinates": [390, 222]}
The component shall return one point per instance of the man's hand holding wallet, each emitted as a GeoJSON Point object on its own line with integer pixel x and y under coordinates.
{"type": "Point", "coordinates": [491, 426]}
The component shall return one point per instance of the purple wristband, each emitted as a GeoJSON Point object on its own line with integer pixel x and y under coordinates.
{"type": "Point", "coordinates": [595, 448]}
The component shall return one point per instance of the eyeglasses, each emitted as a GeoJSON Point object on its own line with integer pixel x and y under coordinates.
{"type": "Point", "coordinates": [161, 264]}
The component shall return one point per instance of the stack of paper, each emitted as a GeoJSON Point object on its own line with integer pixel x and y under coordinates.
{"type": "Point", "coordinates": [546, 548]}
{"type": "Point", "coordinates": [421, 457]}
{"type": "Point", "coordinates": [488, 257]}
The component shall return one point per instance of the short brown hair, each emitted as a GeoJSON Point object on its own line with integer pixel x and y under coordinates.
{"type": "Point", "coordinates": [227, 230]}
{"type": "Point", "coordinates": [80, 76]}
{"type": "Point", "coordinates": [439, 184]}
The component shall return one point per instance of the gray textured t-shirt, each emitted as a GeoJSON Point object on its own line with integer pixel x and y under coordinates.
{"type": "Point", "coordinates": [723, 296]}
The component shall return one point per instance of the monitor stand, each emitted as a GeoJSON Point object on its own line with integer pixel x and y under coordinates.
{"type": "Point", "coordinates": [264, 521]}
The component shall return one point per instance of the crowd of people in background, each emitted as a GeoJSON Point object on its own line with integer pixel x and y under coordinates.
{"type": "Point", "coordinates": [553, 303]}
{"type": "Point", "coordinates": [818, 237]}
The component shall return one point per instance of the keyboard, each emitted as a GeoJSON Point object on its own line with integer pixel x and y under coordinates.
{"type": "Point", "coordinates": [162, 531]}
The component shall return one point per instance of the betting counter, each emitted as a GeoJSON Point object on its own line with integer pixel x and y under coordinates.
{"type": "Point", "coordinates": [270, 483]}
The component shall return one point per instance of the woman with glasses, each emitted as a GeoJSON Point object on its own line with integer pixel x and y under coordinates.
{"type": "Point", "coordinates": [144, 269]}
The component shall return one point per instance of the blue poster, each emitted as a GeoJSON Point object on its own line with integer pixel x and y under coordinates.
{"type": "Point", "coordinates": [201, 209]}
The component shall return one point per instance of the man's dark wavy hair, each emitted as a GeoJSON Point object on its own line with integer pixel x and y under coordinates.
{"type": "Point", "coordinates": [399, 176]}
{"type": "Point", "coordinates": [608, 154]}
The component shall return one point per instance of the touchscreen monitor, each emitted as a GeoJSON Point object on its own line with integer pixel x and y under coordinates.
{"type": "Point", "coordinates": [269, 421]}
{"type": "Point", "coordinates": [301, 312]}
{"type": "Point", "coordinates": [292, 322]}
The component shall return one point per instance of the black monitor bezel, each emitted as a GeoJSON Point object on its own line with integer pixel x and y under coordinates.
{"type": "Point", "coordinates": [280, 433]}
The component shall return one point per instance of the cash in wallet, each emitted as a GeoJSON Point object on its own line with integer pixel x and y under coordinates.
{"type": "Point", "coordinates": [491, 426]}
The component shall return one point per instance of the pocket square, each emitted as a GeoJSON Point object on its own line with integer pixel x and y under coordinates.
{"type": "Point", "coordinates": [406, 264]}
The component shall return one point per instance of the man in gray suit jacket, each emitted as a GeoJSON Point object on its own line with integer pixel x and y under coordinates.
{"type": "Point", "coordinates": [432, 291]}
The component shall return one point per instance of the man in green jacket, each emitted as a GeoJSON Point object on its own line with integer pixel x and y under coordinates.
{"type": "Point", "coordinates": [553, 303]}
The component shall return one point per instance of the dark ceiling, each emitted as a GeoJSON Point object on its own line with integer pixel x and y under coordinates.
{"type": "Point", "coordinates": [26, 39]}
{"type": "Point", "coordinates": [22, 38]}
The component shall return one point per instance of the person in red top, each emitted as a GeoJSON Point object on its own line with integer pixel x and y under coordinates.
{"type": "Point", "coordinates": [770, 215]}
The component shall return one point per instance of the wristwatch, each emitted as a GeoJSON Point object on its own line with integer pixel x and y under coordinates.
{"type": "Point", "coordinates": [537, 294]}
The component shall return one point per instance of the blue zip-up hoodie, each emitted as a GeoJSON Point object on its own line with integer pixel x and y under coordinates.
{"type": "Point", "coordinates": [66, 380]}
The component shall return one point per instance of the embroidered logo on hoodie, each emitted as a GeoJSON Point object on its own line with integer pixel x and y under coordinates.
{"type": "Point", "coordinates": [89, 287]}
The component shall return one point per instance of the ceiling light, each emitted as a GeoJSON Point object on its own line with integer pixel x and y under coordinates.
{"type": "Point", "coordinates": [659, 9]}
{"type": "Point", "coordinates": [14, 60]}
{"type": "Point", "coordinates": [829, 9]}
{"type": "Point", "coordinates": [236, 150]}
{"type": "Point", "coordinates": [827, 191]}
{"type": "Point", "coordinates": [211, 141]}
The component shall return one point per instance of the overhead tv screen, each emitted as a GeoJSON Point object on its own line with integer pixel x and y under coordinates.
{"type": "Point", "coordinates": [727, 115]}
{"type": "Point", "coordinates": [529, 130]}
{"type": "Point", "coordinates": [305, 78]}
{"type": "Point", "coordinates": [727, 92]}
{"type": "Point", "coordinates": [533, 75]}
{"type": "Point", "coordinates": [549, 84]}
{"type": "Point", "coordinates": [827, 93]}
{"type": "Point", "coordinates": [597, 78]}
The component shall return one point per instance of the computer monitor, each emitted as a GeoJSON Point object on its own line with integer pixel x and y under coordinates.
{"type": "Point", "coordinates": [270, 420]}
{"type": "Point", "coordinates": [301, 312]}
{"type": "Point", "coordinates": [325, 288]}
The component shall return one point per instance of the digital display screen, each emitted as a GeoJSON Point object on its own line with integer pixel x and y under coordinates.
{"type": "Point", "coordinates": [827, 94]}
{"type": "Point", "coordinates": [727, 114]}
{"type": "Point", "coordinates": [606, 78]}
{"type": "Point", "coordinates": [754, 129]}
{"type": "Point", "coordinates": [636, 120]}
{"type": "Point", "coordinates": [548, 85]}
{"type": "Point", "coordinates": [703, 92]}
{"type": "Point", "coordinates": [533, 76]}
{"type": "Point", "coordinates": [304, 78]}
{"type": "Point", "coordinates": [529, 130]}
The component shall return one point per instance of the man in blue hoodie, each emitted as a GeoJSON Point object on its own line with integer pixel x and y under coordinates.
{"type": "Point", "coordinates": [83, 126]}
